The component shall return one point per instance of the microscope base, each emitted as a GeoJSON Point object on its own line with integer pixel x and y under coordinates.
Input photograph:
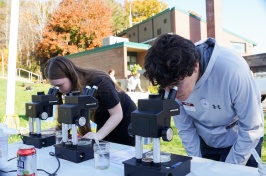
{"type": "Point", "coordinates": [178, 166]}
{"type": "Point", "coordinates": [76, 155]}
{"type": "Point", "coordinates": [38, 141]}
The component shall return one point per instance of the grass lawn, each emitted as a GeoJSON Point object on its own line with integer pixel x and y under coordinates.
{"type": "Point", "coordinates": [23, 96]}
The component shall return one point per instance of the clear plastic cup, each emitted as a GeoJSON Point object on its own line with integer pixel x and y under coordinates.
{"type": "Point", "coordinates": [101, 155]}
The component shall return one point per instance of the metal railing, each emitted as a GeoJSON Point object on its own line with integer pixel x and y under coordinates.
{"type": "Point", "coordinates": [30, 75]}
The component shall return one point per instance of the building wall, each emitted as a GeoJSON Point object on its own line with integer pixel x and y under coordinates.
{"type": "Point", "coordinates": [112, 57]}
{"type": "Point", "coordinates": [145, 31]}
{"type": "Point", "coordinates": [162, 24]}
{"type": "Point", "coordinates": [194, 28]}
{"type": "Point", "coordinates": [140, 58]}
{"type": "Point", "coordinates": [214, 19]}
{"type": "Point", "coordinates": [182, 24]}
{"type": "Point", "coordinates": [203, 27]}
{"type": "Point", "coordinates": [187, 25]}
{"type": "Point", "coordinates": [105, 60]}
{"type": "Point", "coordinates": [149, 29]}
{"type": "Point", "coordinates": [228, 38]}
{"type": "Point", "coordinates": [133, 34]}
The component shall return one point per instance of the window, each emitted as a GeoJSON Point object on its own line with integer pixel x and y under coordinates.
{"type": "Point", "coordinates": [165, 20]}
{"type": "Point", "coordinates": [131, 58]}
{"type": "Point", "coordinates": [238, 47]}
{"type": "Point", "coordinates": [159, 31]}
{"type": "Point", "coordinates": [145, 29]}
{"type": "Point", "coordinates": [129, 35]}
{"type": "Point", "coordinates": [134, 34]}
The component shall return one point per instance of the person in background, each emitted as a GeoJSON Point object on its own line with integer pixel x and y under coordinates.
{"type": "Point", "coordinates": [133, 83]}
{"type": "Point", "coordinates": [221, 116]}
{"type": "Point", "coordinates": [111, 73]}
{"type": "Point", "coordinates": [114, 111]}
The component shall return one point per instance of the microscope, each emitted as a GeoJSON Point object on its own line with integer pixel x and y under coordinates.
{"type": "Point", "coordinates": [73, 113]}
{"type": "Point", "coordinates": [152, 120]}
{"type": "Point", "coordinates": [39, 109]}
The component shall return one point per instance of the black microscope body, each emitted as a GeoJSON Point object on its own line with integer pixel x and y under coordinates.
{"type": "Point", "coordinates": [152, 120]}
{"type": "Point", "coordinates": [73, 113]}
{"type": "Point", "coordinates": [39, 109]}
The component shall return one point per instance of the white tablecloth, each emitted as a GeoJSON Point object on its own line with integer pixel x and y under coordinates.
{"type": "Point", "coordinates": [199, 166]}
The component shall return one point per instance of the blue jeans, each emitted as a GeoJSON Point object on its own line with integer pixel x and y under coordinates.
{"type": "Point", "coordinates": [220, 154]}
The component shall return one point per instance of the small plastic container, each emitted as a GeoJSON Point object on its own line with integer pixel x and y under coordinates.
{"type": "Point", "coordinates": [101, 155]}
{"type": "Point", "coordinates": [165, 157]}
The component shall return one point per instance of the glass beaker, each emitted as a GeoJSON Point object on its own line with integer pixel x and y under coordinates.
{"type": "Point", "coordinates": [101, 155]}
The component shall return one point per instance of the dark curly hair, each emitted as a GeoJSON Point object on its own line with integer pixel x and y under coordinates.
{"type": "Point", "coordinates": [170, 60]}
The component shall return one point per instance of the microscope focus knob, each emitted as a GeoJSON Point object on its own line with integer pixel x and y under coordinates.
{"type": "Point", "coordinates": [167, 134]}
{"type": "Point", "coordinates": [44, 116]}
{"type": "Point", "coordinates": [129, 130]}
{"type": "Point", "coordinates": [81, 121]}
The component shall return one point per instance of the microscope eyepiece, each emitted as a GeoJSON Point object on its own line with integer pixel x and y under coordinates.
{"type": "Point", "coordinates": [87, 90]}
{"type": "Point", "coordinates": [172, 93]}
{"type": "Point", "coordinates": [55, 91]}
{"type": "Point", "coordinates": [50, 90]}
{"type": "Point", "coordinates": [161, 93]}
{"type": "Point", "coordinates": [93, 91]}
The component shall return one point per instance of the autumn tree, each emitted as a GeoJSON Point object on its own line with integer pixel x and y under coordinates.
{"type": "Point", "coordinates": [77, 25]}
{"type": "Point", "coordinates": [143, 9]}
{"type": "Point", "coordinates": [4, 21]}
{"type": "Point", "coordinates": [119, 16]}
{"type": "Point", "coordinates": [33, 17]}
{"type": "Point", "coordinates": [4, 33]}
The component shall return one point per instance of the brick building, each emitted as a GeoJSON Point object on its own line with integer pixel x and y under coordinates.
{"type": "Point", "coordinates": [115, 56]}
{"type": "Point", "coordinates": [118, 54]}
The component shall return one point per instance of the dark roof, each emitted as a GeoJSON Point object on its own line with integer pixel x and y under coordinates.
{"type": "Point", "coordinates": [256, 60]}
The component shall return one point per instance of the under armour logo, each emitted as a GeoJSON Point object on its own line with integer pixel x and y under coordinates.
{"type": "Point", "coordinates": [216, 106]}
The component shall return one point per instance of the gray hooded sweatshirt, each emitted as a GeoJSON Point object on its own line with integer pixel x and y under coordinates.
{"type": "Point", "coordinates": [224, 107]}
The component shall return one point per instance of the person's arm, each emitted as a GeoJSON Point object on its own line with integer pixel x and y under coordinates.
{"type": "Point", "coordinates": [129, 83]}
{"type": "Point", "coordinates": [188, 133]}
{"type": "Point", "coordinates": [246, 101]}
{"type": "Point", "coordinates": [116, 115]}
{"type": "Point", "coordinates": [139, 86]}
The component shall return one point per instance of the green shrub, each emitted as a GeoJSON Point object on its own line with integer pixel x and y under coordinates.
{"type": "Point", "coordinates": [153, 89]}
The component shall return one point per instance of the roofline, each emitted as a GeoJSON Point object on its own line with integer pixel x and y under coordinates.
{"type": "Point", "coordinates": [189, 14]}
{"type": "Point", "coordinates": [239, 36]}
{"type": "Point", "coordinates": [158, 14]}
{"type": "Point", "coordinates": [109, 47]}
{"type": "Point", "coordinates": [194, 16]}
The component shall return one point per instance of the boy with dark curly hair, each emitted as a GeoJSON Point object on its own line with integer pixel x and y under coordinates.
{"type": "Point", "coordinates": [221, 116]}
